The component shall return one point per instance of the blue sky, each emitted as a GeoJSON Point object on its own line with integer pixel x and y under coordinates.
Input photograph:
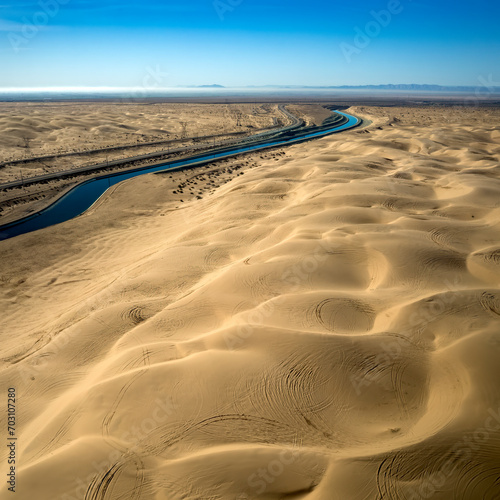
{"type": "Point", "coordinates": [118, 43]}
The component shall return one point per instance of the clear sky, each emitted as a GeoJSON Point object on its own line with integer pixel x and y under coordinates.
{"type": "Point", "coordinates": [118, 43]}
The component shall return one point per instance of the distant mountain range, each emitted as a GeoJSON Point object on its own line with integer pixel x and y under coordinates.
{"type": "Point", "coordinates": [213, 86]}
{"type": "Point", "coordinates": [410, 87]}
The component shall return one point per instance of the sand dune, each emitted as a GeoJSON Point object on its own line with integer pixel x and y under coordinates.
{"type": "Point", "coordinates": [87, 125]}
{"type": "Point", "coordinates": [30, 130]}
{"type": "Point", "coordinates": [325, 326]}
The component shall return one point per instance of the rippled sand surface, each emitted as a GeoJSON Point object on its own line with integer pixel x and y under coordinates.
{"type": "Point", "coordinates": [325, 326]}
{"type": "Point", "coordinates": [32, 129]}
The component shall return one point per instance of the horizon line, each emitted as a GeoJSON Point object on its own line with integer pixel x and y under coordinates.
{"type": "Point", "coordinates": [222, 87]}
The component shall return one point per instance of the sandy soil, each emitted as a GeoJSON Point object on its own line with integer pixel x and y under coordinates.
{"type": "Point", "coordinates": [322, 324]}
{"type": "Point", "coordinates": [30, 130]}
{"type": "Point", "coordinates": [312, 114]}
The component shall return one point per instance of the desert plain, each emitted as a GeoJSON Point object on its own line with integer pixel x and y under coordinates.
{"type": "Point", "coordinates": [316, 322]}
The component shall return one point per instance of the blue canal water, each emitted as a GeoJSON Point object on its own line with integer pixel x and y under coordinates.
{"type": "Point", "coordinates": [84, 195]}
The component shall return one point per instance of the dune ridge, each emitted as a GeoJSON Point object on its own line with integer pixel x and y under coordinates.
{"type": "Point", "coordinates": [325, 326]}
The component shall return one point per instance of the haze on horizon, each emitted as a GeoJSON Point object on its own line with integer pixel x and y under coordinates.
{"type": "Point", "coordinates": [235, 43]}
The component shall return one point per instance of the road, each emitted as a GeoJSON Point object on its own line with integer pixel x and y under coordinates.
{"type": "Point", "coordinates": [84, 194]}
{"type": "Point", "coordinates": [296, 122]}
